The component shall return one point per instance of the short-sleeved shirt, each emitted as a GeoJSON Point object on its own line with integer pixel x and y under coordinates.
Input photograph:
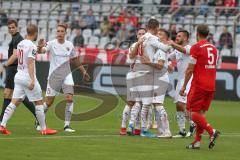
{"type": "Point", "coordinates": [25, 49]}
{"type": "Point", "coordinates": [161, 55]}
{"type": "Point", "coordinates": [204, 56]}
{"type": "Point", "coordinates": [182, 61]}
{"type": "Point", "coordinates": [59, 54]}
{"type": "Point", "coordinates": [16, 38]}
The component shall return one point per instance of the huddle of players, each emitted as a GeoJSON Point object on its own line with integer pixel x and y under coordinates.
{"type": "Point", "coordinates": [148, 82]}
{"type": "Point", "coordinates": [61, 53]}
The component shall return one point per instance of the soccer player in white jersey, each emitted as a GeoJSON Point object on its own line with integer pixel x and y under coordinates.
{"type": "Point", "coordinates": [182, 56]}
{"type": "Point", "coordinates": [61, 52]}
{"type": "Point", "coordinates": [26, 83]}
{"type": "Point", "coordinates": [160, 85]}
{"type": "Point", "coordinates": [150, 45]}
{"type": "Point", "coordinates": [132, 106]}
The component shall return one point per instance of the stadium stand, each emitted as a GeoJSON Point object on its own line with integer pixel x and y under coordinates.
{"type": "Point", "coordinates": [123, 17]}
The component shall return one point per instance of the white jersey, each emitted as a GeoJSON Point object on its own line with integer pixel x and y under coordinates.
{"type": "Point", "coordinates": [150, 45]}
{"type": "Point", "coordinates": [59, 54]}
{"type": "Point", "coordinates": [182, 60]}
{"type": "Point", "coordinates": [130, 61]}
{"type": "Point", "coordinates": [25, 49]}
{"type": "Point", "coordinates": [161, 55]}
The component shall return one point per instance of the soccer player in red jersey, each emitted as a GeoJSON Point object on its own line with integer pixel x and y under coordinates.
{"type": "Point", "coordinates": [203, 68]}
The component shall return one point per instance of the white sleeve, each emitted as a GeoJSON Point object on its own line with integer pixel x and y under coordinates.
{"type": "Point", "coordinates": [73, 52]}
{"type": "Point", "coordinates": [188, 49]}
{"type": "Point", "coordinates": [160, 55]}
{"type": "Point", "coordinates": [156, 43]}
{"type": "Point", "coordinates": [172, 55]}
{"type": "Point", "coordinates": [48, 46]}
{"type": "Point", "coordinates": [192, 60]}
{"type": "Point", "coordinates": [32, 52]}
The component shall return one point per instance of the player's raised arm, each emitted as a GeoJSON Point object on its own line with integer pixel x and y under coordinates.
{"type": "Point", "coordinates": [76, 62]}
{"type": "Point", "coordinates": [181, 42]}
{"type": "Point", "coordinates": [134, 50]}
{"type": "Point", "coordinates": [42, 46]}
{"type": "Point", "coordinates": [156, 43]}
{"type": "Point", "coordinates": [177, 47]}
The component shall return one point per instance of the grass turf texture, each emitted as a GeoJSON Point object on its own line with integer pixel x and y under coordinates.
{"type": "Point", "coordinates": [98, 139]}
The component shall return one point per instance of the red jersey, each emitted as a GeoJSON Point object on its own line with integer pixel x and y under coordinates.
{"type": "Point", "coordinates": [204, 56]}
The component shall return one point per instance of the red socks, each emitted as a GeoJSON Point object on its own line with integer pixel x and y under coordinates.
{"type": "Point", "coordinates": [201, 122]}
{"type": "Point", "coordinates": [199, 133]}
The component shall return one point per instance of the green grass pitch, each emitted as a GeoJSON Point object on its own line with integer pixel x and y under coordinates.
{"type": "Point", "coordinates": [98, 139]}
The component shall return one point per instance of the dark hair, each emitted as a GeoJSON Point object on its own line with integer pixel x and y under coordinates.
{"type": "Point", "coordinates": [63, 25]}
{"type": "Point", "coordinates": [141, 29]}
{"type": "Point", "coordinates": [12, 21]}
{"type": "Point", "coordinates": [185, 32]}
{"type": "Point", "coordinates": [31, 29]}
{"type": "Point", "coordinates": [203, 30]}
{"type": "Point", "coordinates": [152, 24]}
{"type": "Point", "coordinates": [165, 31]}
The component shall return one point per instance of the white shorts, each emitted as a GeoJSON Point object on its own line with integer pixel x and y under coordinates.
{"type": "Point", "coordinates": [132, 92]}
{"type": "Point", "coordinates": [178, 97]}
{"type": "Point", "coordinates": [21, 90]}
{"type": "Point", "coordinates": [161, 84]}
{"type": "Point", "coordinates": [54, 87]}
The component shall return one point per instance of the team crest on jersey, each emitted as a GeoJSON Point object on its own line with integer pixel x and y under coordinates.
{"type": "Point", "coordinates": [68, 49]}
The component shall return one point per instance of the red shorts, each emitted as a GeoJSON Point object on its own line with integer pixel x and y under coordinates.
{"type": "Point", "coordinates": [199, 99]}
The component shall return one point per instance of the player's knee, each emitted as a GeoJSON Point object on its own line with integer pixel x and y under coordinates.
{"type": "Point", "coordinates": [180, 106]}
{"type": "Point", "coordinates": [7, 93]}
{"type": "Point", "coordinates": [69, 98]}
{"type": "Point", "coordinates": [130, 103]}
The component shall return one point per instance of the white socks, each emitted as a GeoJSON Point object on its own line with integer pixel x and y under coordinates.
{"type": "Point", "coordinates": [150, 118]}
{"type": "Point", "coordinates": [45, 107]}
{"type": "Point", "coordinates": [144, 116]}
{"type": "Point", "coordinates": [125, 115]}
{"type": "Point", "coordinates": [68, 113]}
{"type": "Point", "coordinates": [8, 114]}
{"type": "Point", "coordinates": [163, 117]}
{"type": "Point", "coordinates": [40, 116]}
{"type": "Point", "coordinates": [181, 120]}
{"type": "Point", "coordinates": [135, 115]}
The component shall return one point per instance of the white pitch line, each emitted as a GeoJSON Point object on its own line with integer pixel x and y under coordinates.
{"type": "Point", "coordinates": [57, 137]}
{"type": "Point", "coordinates": [85, 136]}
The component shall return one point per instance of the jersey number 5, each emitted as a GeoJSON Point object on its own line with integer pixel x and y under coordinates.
{"type": "Point", "coordinates": [20, 56]}
{"type": "Point", "coordinates": [210, 56]}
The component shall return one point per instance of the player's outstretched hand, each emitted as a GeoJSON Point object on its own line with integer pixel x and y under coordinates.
{"type": "Point", "coordinates": [31, 85]}
{"type": "Point", "coordinates": [141, 40]}
{"type": "Point", "coordinates": [170, 42]}
{"type": "Point", "coordinates": [41, 44]}
{"type": "Point", "coordinates": [182, 91]}
{"type": "Point", "coordinates": [86, 77]}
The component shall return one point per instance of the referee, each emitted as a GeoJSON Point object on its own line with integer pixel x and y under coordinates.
{"type": "Point", "coordinates": [11, 69]}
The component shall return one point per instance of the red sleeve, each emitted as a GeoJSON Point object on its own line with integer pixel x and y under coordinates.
{"type": "Point", "coordinates": [194, 51]}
